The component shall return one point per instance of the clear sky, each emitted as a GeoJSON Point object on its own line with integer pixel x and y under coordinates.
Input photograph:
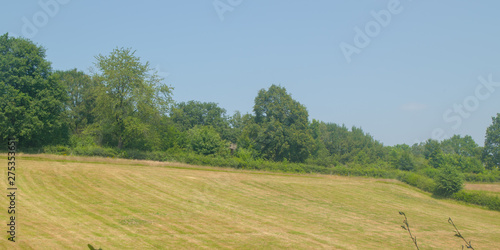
{"type": "Point", "coordinates": [404, 71]}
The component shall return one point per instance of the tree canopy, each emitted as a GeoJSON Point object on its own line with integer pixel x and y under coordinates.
{"type": "Point", "coordinates": [123, 106]}
{"type": "Point", "coordinates": [130, 98]}
{"type": "Point", "coordinates": [31, 97]}
{"type": "Point", "coordinates": [283, 126]}
{"type": "Point", "coordinates": [492, 143]}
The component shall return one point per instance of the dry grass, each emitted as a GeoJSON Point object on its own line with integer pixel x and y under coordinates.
{"type": "Point", "coordinates": [495, 187]}
{"type": "Point", "coordinates": [68, 202]}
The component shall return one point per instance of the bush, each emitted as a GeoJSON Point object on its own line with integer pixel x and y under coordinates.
{"type": "Point", "coordinates": [478, 198]}
{"type": "Point", "coordinates": [206, 141]}
{"type": "Point", "coordinates": [59, 150]}
{"type": "Point", "coordinates": [487, 176]}
{"type": "Point", "coordinates": [95, 151]}
{"type": "Point", "coordinates": [429, 172]}
{"type": "Point", "coordinates": [448, 181]}
{"type": "Point", "coordinates": [405, 162]}
{"type": "Point", "coordinates": [417, 180]}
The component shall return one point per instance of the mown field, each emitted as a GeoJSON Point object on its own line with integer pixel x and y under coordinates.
{"type": "Point", "coordinates": [69, 202]}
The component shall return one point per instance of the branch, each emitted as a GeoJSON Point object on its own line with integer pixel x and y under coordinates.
{"type": "Point", "coordinates": [459, 235]}
{"type": "Point", "coordinates": [406, 227]}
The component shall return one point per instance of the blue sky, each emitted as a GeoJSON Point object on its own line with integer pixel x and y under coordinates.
{"type": "Point", "coordinates": [413, 77]}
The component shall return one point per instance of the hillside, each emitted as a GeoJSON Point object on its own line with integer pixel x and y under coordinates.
{"type": "Point", "coordinates": [68, 202]}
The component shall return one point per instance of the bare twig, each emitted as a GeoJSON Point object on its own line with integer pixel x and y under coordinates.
{"type": "Point", "coordinates": [406, 227]}
{"type": "Point", "coordinates": [459, 235]}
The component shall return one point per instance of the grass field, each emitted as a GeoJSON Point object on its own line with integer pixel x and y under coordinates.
{"type": "Point", "coordinates": [68, 202]}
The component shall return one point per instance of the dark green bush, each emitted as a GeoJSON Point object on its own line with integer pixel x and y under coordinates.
{"type": "Point", "coordinates": [448, 181]}
{"type": "Point", "coordinates": [478, 198]}
{"type": "Point", "coordinates": [429, 172]}
{"type": "Point", "coordinates": [487, 176]}
{"type": "Point", "coordinates": [58, 150]}
{"type": "Point", "coordinates": [95, 151]}
{"type": "Point", "coordinates": [206, 141]}
{"type": "Point", "coordinates": [417, 180]}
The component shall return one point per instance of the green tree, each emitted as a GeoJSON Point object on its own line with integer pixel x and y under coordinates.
{"type": "Point", "coordinates": [31, 97]}
{"type": "Point", "coordinates": [205, 140]}
{"type": "Point", "coordinates": [491, 151]}
{"type": "Point", "coordinates": [464, 146]}
{"type": "Point", "coordinates": [275, 103]}
{"type": "Point", "coordinates": [449, 181]}
{"type": "Point", "coordinates": [406, 161]}
{"type": "Point", "coordinates": [284, 126]}
{"type": "Point", "coordinates": [81, 98]}
{"type": "Point", "coordinates": [466, 164]}
{"type": "Point", "coordinates": [434, 153]}
{"type": "Point", "coordinates": [130, 95]}
{"type": "Point", "coordinates": [187, 115]}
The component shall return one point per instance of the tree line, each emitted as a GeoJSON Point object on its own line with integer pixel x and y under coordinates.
{"type": "Point", "coordinates": [124, 105]}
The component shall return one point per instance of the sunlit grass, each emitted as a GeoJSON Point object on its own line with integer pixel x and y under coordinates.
{"type": "Point", "coordinates": [69, 202]}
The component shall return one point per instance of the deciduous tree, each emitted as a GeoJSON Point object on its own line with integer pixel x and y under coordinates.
{"type": "Point", "coordinates": [31, 97]}
{"type": "Point", "coordinates": [130, 94]}
{"type": "Point", "coordinates": [491, 153]}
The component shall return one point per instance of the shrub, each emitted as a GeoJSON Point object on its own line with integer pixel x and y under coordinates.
{"type": "Point", "coordinates": [95, 151]}
{"type": "Point", "coordinates": [478, 198]}
{"type": "Point", "coordinates": [417, 180]}
{"type": "Point", "coordinates": [205, 140]}
{"type": "Point", "coordinates": [59, 149]}
{"type": "Point", "coordinates": [405, 162]}
{"type": "Point", "coordinates": [429, 172]}
{"type": "Point", "coordinates": [448, 181]}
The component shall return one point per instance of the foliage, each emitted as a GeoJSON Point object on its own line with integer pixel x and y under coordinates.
{"type": "Point", "coordinates": [95, 151]}
{"type": "Point", "coordinates": [81, 99]}
{"type": "Point", "coordinates": [206, 141]}
{"type": "Point", "coordinates": [465, 164]}
{"type": "Point", "coordinates": [282, 131]}
{"type": "Point", "coordinates": [448, 181]}
{"type": "Point", "coordinates": [129, 95]}
{"type": "Point", "coordinates": [193, 113]}
{"type": "Point", "coordinates": [491, 153]}
{"type": "Point", "coordinates": [124, 110]}
{"type": "Point", "coordinates": [486, 176]}
{"type": "Point", "coordinates": [31, 97]}
{"type": "Point", "coordinates": [57, 149]}
{"type": "Point", "coordinates": [434, 153]}
{"type": "Point", "coordinates": [479, 198]}
{"type": "Point", "coordinates": [463, 146]}
{"type": "Point", "coordinates": [422, 182]}
{"type": "Point", "coordinates": [406, 162]}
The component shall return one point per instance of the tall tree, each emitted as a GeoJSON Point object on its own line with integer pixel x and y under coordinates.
{"type": "Point", "coordinates": [132, 98]}
{"type": "Point", "coordinates": [31, 98]}
{"type": "Point", "coordinates": [189, 114]}
{"type": "Point", "coordinates": [434, 153]}
{"type": "Point", "coordinates": [464, 146]}
{"type": "Point", "coordinates": [284, 124]}
{"type": "Point", "coordinates": [492, 144]}
{"type": "Point", "coordinates": [275, 103]}
{"type": "Point", "coordinates": [81, 98]}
